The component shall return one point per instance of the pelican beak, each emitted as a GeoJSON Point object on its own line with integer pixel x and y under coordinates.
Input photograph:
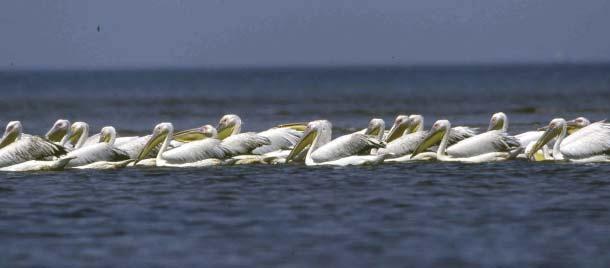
{"type": "Point", "coordinates": [295, 126]}
{"type": "Point", "coordinates": [572, 126]}
{"type": "Point", "coordinates": [396, 132]}
{"type": "Point", "coordinates": [76, 133]}
{"type": "Point", "coordinates": [547, 136]}
{"type": "Point", "coordinates": [225, 130]}
{"type": "Point", "coordinates": [190, 135]}
{"type": "Point", "coordinates": [495, 124]}
{"type": "Point", "coordinates": [55, 134]}
{"type": "Point", "coordinates": [374, 131]}
{"type": "Point", "coordinates": [434, 136]}
{"type": "Point", "coordinates": [104, 137]}
{"type": "Point", "coordinates": [154, 140]}
{"type": "Point", "coordinates": [8, 138]}
{"type": "Point", "coordinates": [308, 137]}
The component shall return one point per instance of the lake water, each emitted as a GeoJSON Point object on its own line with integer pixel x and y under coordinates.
{"type": "Point", "coordinates": [511, 214]}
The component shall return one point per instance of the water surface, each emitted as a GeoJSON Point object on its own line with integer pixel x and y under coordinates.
{"type": "Point", "coordinates": [511, 214]}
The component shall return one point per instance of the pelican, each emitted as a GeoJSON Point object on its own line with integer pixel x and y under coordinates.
{"type": "Point", "coordinates": [18, 148]}
{"type": "Point", "coordinates": [589, 144]}
{"type": "Point", "coordinates": [60, 132]}
{"type": "Point", "coordinates": [398, 129]}
{"type": "Point", "coordinates": [39, 165]}
{"type": "Point", "coordinates": [197, 153]}
{"type": "Point", "coordinates": [413, 129]}
{"type": "Point", "coordinates": [133, 145]}
{"type": "Point", "coordinates": [79, 133]}
{"type": "Point", "coordinates": [118, 140]}
{"type": "Point", "coordinates": [102, 151]}
{"type": "Point", "coordinates": [279, 138]}
{"type": "Point", "coordinates": [499, 121]}
{"type": "Point", "coordinates": [489, 146]}
{"type": "Point", "coordinates": [376, 128]}
{"type": "Point", "coordinates": [341, 151]}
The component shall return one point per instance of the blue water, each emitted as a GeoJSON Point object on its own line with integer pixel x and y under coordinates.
{"type": "Point", "coordinates": [511, 214]}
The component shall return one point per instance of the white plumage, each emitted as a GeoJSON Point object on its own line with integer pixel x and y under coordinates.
{"type": "Point", "coordinates": [104, 150]}
{"type": "Point", "coordinates": [25, 147]}
{"type": "Point", "coordinates": [587, 142]}
{"type": "Point", "coordinates": [489, 146]}
{"type": "Point", "coordinates": [187, 155]}
{"type": "Point", "coordinates": [340, 151]}
{"type": "Point", "coordinates": [488, 142]}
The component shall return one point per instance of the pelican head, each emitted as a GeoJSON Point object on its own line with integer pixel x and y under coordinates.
{"type": "Point", "coordinates": [498, 121]}
{"type": "Point", "coordinates": [108, 135]}
{"type": "Point", "coordinates": [200, 133]}
{"type": "Point", "coordinates": [554, 129]}
{"type": "Point", "coordinates": [160, 133]}
{"type": "Point", "coordinates": [416, 123]}
{"type": "Point", "coordinates": [11, 133]}
{"type": "Point", "coordinates": [398, 128]}
{"type": "Point", "coordinates": [576, 124]}
{"type": "Point", "coordinates": [228, 125]}
{"type": "Point", "coordinates": [376, 128]}
{"type": "Point", "coordinates": [318, 131]}
{"type": "Point", "coordinates": [77, 130]}
{"type": "Point", "coordinates": [59, 130]}
{"type": "Point", "coordinates": [435, 135]}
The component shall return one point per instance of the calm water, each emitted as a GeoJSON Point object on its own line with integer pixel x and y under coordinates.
{"type": "Point", "coordinates": [512, 214]}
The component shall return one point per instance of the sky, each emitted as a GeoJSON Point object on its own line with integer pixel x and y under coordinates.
{"type": "Point", "coordinates": [233, 33]}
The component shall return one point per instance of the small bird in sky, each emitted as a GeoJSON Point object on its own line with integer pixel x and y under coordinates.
{"type": "Point", "coordinates": [98, 28]}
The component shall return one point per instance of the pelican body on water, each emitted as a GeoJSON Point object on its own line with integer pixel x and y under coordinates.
{"type": "Point", "coordinates": [68, 145]}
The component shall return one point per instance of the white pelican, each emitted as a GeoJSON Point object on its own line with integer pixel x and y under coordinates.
{"type": "Point", "coordinates": [413, 129]}
{"type": "Point", "coordinates": [589, 144]}
{"type": "Point", "coordinates": [196, 153]}
{"type": "Point", "coordinates": [341, 151]}
{"type": "Point", "coordinates": [279, 138]}
{"type": "Point", "coordinates": [18, 148]}
{"type": "Point", "coordinates": [376, 128]}
{"type": "Point", "coordinates": [39, 165]}
{"type": "Point", "coordinates": [500, 145]}
{"type": "Point", "coordinates": [79, 133]}
{"type": "Point", "coordinates": [60, 132]}
{"type": "Point", "coordinates": [104, 150]}
{"type": "Point", "coordinates": [499, 121]}
{"type": "Point", "coordinates": [398, 129]}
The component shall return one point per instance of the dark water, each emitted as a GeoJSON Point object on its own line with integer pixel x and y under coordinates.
{"type": "Point", "coordinates": [512, 214]}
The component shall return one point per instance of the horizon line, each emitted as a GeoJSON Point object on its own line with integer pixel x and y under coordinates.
{"type": "Point", "coordinates": [230, 67]}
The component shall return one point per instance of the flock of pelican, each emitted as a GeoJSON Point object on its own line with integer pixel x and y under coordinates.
{"type": "Point", "coordinates": [69, 146]}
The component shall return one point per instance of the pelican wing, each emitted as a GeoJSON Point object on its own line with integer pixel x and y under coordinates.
{"type": "Point", "coordinates": [461, 133]}
{"type": "Point", "coordinates": [406, 144]}
{"type": "Point", "coordinates": [345, 146]}
{"type": "Point", "coordinates": [488, 142]}
{"type": "Point", "coordinates": [281, 139]}
{"type": "Point", "coordinates": [243, 143]}
{"type": "Point", "coordinates": [29, 148]}
{"type": "Point", "coordinates": [403, 145]}
{"type": "Point", "coordinates": [526, 138]}
{"type": "Point", "coordinates": [92, 140]}
{"type": "Point", "coordinates": [96, 152]}
{"type": "Point", "coordinates": [589, 141]}
{"type": "Point", "coordinates": [195, 151]}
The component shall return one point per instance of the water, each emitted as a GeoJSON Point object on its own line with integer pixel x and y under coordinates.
{"type": "Point", "coordinates": [511, 214]}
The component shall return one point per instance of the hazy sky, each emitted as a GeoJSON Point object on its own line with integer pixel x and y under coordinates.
{"type": "Point", "coordinates": [63, 34]}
